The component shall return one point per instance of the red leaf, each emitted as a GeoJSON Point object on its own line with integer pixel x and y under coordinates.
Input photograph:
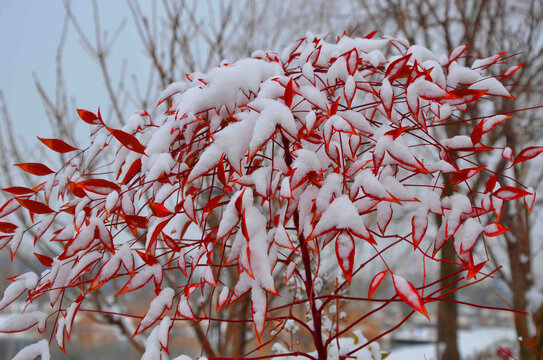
{"type": "Point", "coordinates": [58, 145]}
{"type": "Point", "coordinates": [18, 190]}
{"type": "Point", "coordinates": [469, 95]}
{"type": "Point", "coordinates": [289, 93]}
{"type": "Point", "coordinates": [494, 229]}
{"type": "Point", "coordinates": [210, 206]}
{"type": "Point", "coordinates": [76, 189]}
{"type": "Point", "coordinates": [394, 69]}
{"type": "Point", "coordinates": [128, 141]}
{"type": "Point", "coordinates": [7, 228]}
{"type": "Point", "coordinates": [375, 282]}
{"type": "Point", "coordinates": [159, 209]}
{"type": "Point", "coordinates": [491, 183]}
{"type": "Point", "coordinates": [397, 132]}
{"type": "Point", "coordinates": [35, 207]}
{"type": "Point", "coordinates": [89, 117]}
{"type": "Point", "coordinates": [527, 154]}
{"type": "Point", "coordinates": [132, 171]}
{"type": "Point", "coordinates": [477, 133]}
{"type": "Point", "coordinates": [170, 242]}
{"type": "Point", "coordinates": [35, 168]}
{"type": "Point", "coordinates": [511, 71]}
{"type": "Point", "coordinates": [529, 200]}
{"type": "Point", "coordinates": [220, 172]}
{"type": "Point", "coordinates": [244, 227]}
{"type": "Point", "coordinates": [44, 260]}
{"type": "Point", "coordinates": [407, 292]}
{"type": "Point", "coordinates": [474, 269]}
{"type": "Point", "coordinates": [464, 174]}
{"type": "Point", "coordinates": [371, 34]}
{"type": "Point", "coordinates": [345, 250]}
{"type": "Point", "coordinates": [9, 206]}
{"type": "Point", "coordinates": [419, 224]}
{"type": "Point", "coordinates": [100, 279]}
{"type": "Point", "coordinates": [509, 193]}
{"type": "Point", "coordinates": [333, 108]}
{"type": "Point", "coordinates": [99, 186]}
{"type": "Point", "coordinates": [456, 53]}
{"type": "Point", "coordinates": [353, 60]}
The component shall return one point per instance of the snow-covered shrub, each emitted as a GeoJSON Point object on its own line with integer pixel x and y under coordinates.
{"type": "Point", "coordinates": [274, 179]}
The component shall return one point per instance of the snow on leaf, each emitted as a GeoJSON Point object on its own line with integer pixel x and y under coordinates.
{"type": "Point", "coordinates": [387, 96]}
{"type": "Point", "coordinates": [527, 154]}
{"type": "Point", "coordinates": [345, 251]}
{"type": "Point", "coordinates": [21, 284]}
{"type": "Point", "coordinates": [158, 305]}
{"type": "Point", "coordinates": [342, 215]}
{"type": "Point", "coordinates": [259, 306]}
{"type": "Point", "coordinates": [33, 351]}
{"type": "Point", "coordinates": [22, 322]}
{"type": "Point", "coordinates": [271, 114]}
{"type": "Point", "coordinates": [494, 229]}
{"type": "Point", "coordinates": [375, 282]}
{"type": "Point", "coordinates": [142, 277]}
{"type": "Point", "coordinates": [493, 86]}
{"type": "Point", "coordinates": [409, 294]}
{"type": "Point", "coordinates": [419, 223]}
{"type": "Point", "coordinates": [467, 234]}
{"type": "Point", "coordinates": [529, 200]}
{"type": "Point", "coordinates": [510, 193]}
{"type": "Point", "coordinates": [184, 309]}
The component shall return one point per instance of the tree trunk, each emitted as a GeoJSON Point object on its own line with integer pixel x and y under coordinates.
{"type": "Point", "coordinates": [447, 326]}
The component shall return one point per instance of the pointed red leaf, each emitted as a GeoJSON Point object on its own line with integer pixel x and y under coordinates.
{"type": "Point", "coordinates": [129, 141]}
{"type": "Point", "coordinates": [9, 206]}
{"type": "Point", "coordinates": [35, 207]}
{"type": "Point", "coordinates": [473, 270]}
{"type": "Point", "coordinates": [464, 174]}
{"type": "Point", "coordinates": [35, 168]}
{"type": "Point", "coordinates": [494, 229]}
{"type": "Point", "coordinates": [510, 193]}
{"type": "Point", "coordinates": [99, 186]}
{"type": "Point", "coordinates": [456, 53]}
{"type": "Point", "coordinates": [511, 71]}
{"type": "Point", "coordinates": [394, 69]}
{"type": "Point", "coordinates": [333, 108]}
{"type": "Point", "coordinates": [159, 209]}
{"type": "Point", "coordinates": [491, 183]}
{"type": "Point", "coordinates": [345, 251]}
{"type": "Point", "coordinates": [289, 93]}
{"type": "Point", "coordinates": [7, 228]}
{"type": "Point", "coordinates": [419, 224]}
{"type": "Point", "coordinates": [529, 200]}
{"type": "Point", "coordinates": [220, 172]}
{"type": "Point", "coordinates": [44, 260]}
{"type": "Point", "coordinates": [19, 190]}
{"type": "Point", "coordinates": [57, 145]}
{"type": "Point", "coordinates": [407, 292]}
{"type": "Point", "coordinates": [375, 282]}
{"type": "Point", "coordinates": [89, 117]}
{"type": "Point", "coordinates": [527, 154]}
{"type": "Point", "coordinates": [371, 34]}
{"type": "Point", "coordinates": [132, 171]}
{"type": "Point", "coordinates": [477, 133]}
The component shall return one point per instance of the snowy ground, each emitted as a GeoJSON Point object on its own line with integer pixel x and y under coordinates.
{"type": "Point", "coordinates": [470, 342]}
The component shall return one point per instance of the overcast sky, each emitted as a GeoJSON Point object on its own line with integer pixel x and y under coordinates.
{"type": "Point", "coordinates": [30, 32]}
